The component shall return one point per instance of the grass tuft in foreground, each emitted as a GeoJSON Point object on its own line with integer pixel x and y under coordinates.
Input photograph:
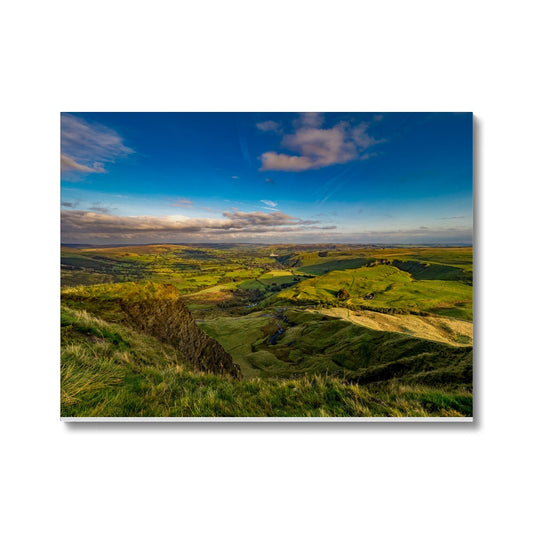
{"type": "Point", "coordinates": [112, 370]}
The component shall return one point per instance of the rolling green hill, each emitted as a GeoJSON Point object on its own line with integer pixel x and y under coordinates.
{"type": "Point", "coordinates": [112, 370]}
{"type": "Point", "coordinates": [313, 343]}
{"type": "Point", "coordinates": [385, 287]}
{"type": "Point", "coordinates": [280, 330]}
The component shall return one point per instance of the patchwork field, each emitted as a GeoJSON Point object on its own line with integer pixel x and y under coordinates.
{"type": "Point", "coordinates": [387, 288]}
{"type": "Point", "coordinates": [329, 330]}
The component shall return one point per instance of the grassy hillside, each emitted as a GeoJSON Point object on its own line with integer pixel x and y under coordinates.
{"type": "Point", "coordinates": [341, 257]}
{"type": "Point", "coordinates": [385, 287]}
{"type": "Point", "coordinates": [280, 330]}
{"type": "Point", "coordinates": [434, 328]}
{"type": "Point", "coordinates": [312, 343]}
{"type": "Point", "coordinates": [157, 310]}
{"type": "Point", "coordinates": [111, 370]}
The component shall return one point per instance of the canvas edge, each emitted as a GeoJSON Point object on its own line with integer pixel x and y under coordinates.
{"type": "Point", "coordinates": [267, 419]}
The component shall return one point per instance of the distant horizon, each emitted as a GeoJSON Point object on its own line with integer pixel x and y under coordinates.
{"type": "Point", "coordinates": [207, 244]}
{"type": "Point", "coordinates": [306, 178]}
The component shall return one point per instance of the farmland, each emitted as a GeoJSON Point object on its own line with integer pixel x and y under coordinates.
{"type": "Point", "coordinates": [321, 330]}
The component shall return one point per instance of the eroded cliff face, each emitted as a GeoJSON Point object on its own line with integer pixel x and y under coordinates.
{"type": "Point", "coordinates": [169, 320]}
{"type": "Point", "coordinates": [157, 310]}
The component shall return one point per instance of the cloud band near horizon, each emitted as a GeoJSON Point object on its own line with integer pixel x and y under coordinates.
{"type": "Point", "coordinates": [79, 226]}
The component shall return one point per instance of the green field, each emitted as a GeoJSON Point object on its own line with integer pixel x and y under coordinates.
{"type": "Point", "coordinates": [333, 330]}
{"type": "Point", "coordinates": [385, 287]}
{"type": "Point", "coordinates": [317, 344]}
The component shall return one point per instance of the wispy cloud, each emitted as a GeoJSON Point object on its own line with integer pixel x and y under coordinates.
{"type": "Point", "coordinates": [235, 177]}
{"type": "Point", "coordinates": [269, 203]}
{"type": "Point", "coordinates": [308, 120]}
{"type": "Point", "coordinates": [316, 147]}
{"type": "Point", "coordinates": [269, 125]}
{"type": "Point", "coordinates": [68, 164]}
{"type": "Point", "coordinates": [87, 147]}
{"type": "Point", "coordinates": [71, 205]}
{"type": "Point", "coordinates": [183, 202]}
{"type": "Point", "coordinates": [420, 235]}
{"type": "Point", "coordinates": [100, 209]}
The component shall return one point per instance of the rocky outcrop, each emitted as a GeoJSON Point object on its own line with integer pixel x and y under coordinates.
{"type": "Point", "coordinates": [163, 315]}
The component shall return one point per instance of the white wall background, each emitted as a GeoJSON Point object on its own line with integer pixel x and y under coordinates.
{"type": "Point", "coordinates": [275, 55]}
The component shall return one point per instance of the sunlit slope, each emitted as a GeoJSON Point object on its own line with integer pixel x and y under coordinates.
{"type": "Point", "coordinates": [385, 287]}
{"type": "Point", "coordinates": [316, 344]}
{"type": "Point", "coordinates": [454, 264]}
{"type": "Point", "coordinates": [435, 328]}
{"type": "Point", "coordinates": [111, 370]}
{"type": "Point", "coordinates": [190, 268]}
{"type": "Point", "coordinates": [251, 283]}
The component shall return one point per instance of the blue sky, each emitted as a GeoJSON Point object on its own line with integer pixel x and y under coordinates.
{"type": "Point", "coordinates": [398, 178]}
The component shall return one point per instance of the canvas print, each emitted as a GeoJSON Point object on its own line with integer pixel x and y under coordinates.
{"type": "Point", "coordinates": [266, 266]}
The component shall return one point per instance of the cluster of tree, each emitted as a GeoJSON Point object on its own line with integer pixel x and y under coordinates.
{"type": "Point", "coordinates": [342, 294]}
{"type": "Point", "coordinates": [378, 262]}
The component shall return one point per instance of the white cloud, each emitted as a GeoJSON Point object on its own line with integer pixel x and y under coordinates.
{"type": "Point", "coordinates": [270, 203]}
{"type": "Point", "coordinates": [317, 147]}
{"type": "Point", "coordinates": [88, 147]}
